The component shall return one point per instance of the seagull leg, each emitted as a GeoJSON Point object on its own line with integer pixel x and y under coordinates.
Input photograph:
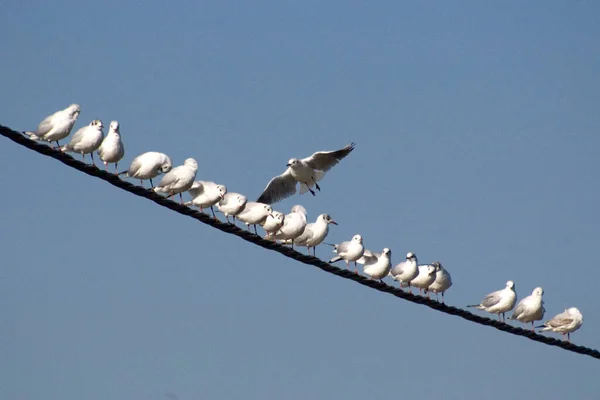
{"type": "Point", "coordinates": [116, 170]}
{"type": "Point", "coordinates": [311, 191]}
{"type": "Point", "coordinates": [180, 198]}
{"type": "Point", "coordinates": [57, 145]}
{"type": "Point", "coordinates": [106, 166]}
{"type": "Point", "coordinates": [92, 155]}
{"type": "Point", "coordinates": [151, 184]}
{"type": "Point", "coordinates": [355, 268]}
{"type": "Point", "coordinates": [316, 184]}
{"type": "Point", "coordinates": [255, 231]}
{"type": "Point", "coordinates": [213, 212]}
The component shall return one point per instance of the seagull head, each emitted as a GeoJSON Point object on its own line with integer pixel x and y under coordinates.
{"type": "Point", "coordinates": [510, 285]}
{"type": "Point", "coordinates": [114, 126]}
{"type": "Point", "coordinates": [538, 291]}
{"type": "Point", "coordinates": [292, 162]}
{"type": "Point", "coordinates": [221, 190]}
{"type": "Point", "coordinates": [328, 219]}
{"type": "Point", "coordinates": [74, 110]}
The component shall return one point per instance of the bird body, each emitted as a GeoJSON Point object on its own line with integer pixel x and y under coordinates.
{"type": "Point", "coordinates": [112, 150]}
{"type": "Point", "coordinates": [442, 282]}
{"type": "Point", "coordinates": [315, 232]}
{"type": "Point", "coordinates": [500, 301]}
{"type": "Point", "coordinates": [376, 265]}
{"type": "Point", "coordinates": [531, 308]}
{"type": "Point", "coordinates": [232, 204]}
{"type": "Point", "coordinates": [57, 126]}
{"type": "Point", "coordinates": [564, 323]}
{"type": "Point", "coordinates": [179, 179]}
{"type": "Point", "coordinates": [86, 140]}
{"type": "Point", "coordinates": [349, 251]}
{"type": "Point", "coordinates": [405, 271]}
{"type": "Point", "coordinates": [254, 213]}
{"type": "Point", "coordinates": [206, 194]}
{"type": "Point", "coordinates": [293, 224]}
{"type": "Point", "coordinates": [307, 172]}
{"type": "Point", "coordinates": [148, 165]}
{"type": "Point", "coordinates": [425, 277]}
{"type": "Point", "coordinates": [273, 223]}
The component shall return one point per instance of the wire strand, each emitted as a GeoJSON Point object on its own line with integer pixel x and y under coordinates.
{"type": "Point", "coordinates": [229, 228]}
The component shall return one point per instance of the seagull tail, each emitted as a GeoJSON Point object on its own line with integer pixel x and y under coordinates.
{"type": "Point", "coordinates": [474, 305]}
{"type": "Point", "coordinates": [31, 135]}
{"type": "Point", "coordinates": [334, 259]}
{"type": "Point", "coordinates": [123, 172]}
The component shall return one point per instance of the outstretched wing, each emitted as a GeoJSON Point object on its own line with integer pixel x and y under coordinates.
{"type": "Point", "coordinates": [278, 188]}
{"type": "Point", "coordinates": [325, 160]}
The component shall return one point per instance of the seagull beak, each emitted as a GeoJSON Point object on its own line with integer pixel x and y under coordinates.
{"type": "Point", "coordinates": [333, 222]}
{"type": "Point", "coordinates": [287, 165]}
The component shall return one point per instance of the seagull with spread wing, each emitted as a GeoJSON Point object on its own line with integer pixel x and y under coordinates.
{"type": "Point", "coordinates": [307, 171]}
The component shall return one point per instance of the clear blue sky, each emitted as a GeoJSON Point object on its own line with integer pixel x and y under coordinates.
{"type": "Point", "coordinates": [476, 126]}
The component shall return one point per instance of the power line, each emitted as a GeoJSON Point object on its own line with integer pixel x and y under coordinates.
{"type": "Point", "coordinates": [286, 251]}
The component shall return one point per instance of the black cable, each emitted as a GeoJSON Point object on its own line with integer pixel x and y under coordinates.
{"type": "Point", "coordinates": [114, 180]}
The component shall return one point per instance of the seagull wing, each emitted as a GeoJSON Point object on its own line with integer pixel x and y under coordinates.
{"type": "Point", "coordinates": [325, 160]}
{"type": "Point", "coordinates": [278, 188]}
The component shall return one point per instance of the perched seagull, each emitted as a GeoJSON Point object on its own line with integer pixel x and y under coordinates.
{"type": "Point", "coordinates": [376, 265]}
{"type": "Point", "coordinates": [180, 179]}
{"type": "Point", "coordinates": [307, 171]}
{"type": "Point", "coordinates": [148, 166]}
{"type": "Point", "coordinates": [57, 126]}
{"type": "Point", "coordinates": [425, 278]}
{"type": "Point", "coordinates": [314, 233]}
{"type": "Point", "coordinates": [442, 282]}
{"type": "Point", "coordinates": [349, 251]}
{"type": "Point", "coordinates": [232, 204]}
{"type": "Point", "coordinates": [500, 301]}
{"type": "Point", "coordinates": [405, 271]}
{"type": "Point", "coordinates": [293, 225]}
{"type": "Point", "coordinates": [206, 194]}
{"type": "Point", "coordinates": [564, 323]}
{"type": "Point", "coordinates": [272, 224]}
{"type": "Point", "coordinates": [86, 140]}
{"type": "Point", "coordinates": [531, 308]}
{"type": "Point", "coordinates": [254, 213]}
{"type": "Point", "coordinates": [112, 150]}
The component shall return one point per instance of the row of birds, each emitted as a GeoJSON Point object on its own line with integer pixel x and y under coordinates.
{"type": "Point", "coordinates": [291, 228]}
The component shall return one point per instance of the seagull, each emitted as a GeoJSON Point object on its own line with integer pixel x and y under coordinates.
{"type": "Point", "coordinates": [112, 150]}
{"type": "Point", "coordinates": [148, 165]}
{"type": "Point", "coordinates": [500, 301]}
{"type": "Point", "coordinates": [206, 194]}
{"type": "Point", "coordinates": [232, 204]}
{"type": "Point", "coordinates": [425, 277]}
{"type": "Point", "coordinates": [531, 308]}
{"type": "Point", "coordinates": [442, 282]}
{"type": "Point", "coordinates": [86, 140]}
{"type": "Point", "coordinates": [272, 224]}
{"type": "Point", "coordinates": [564, 323]}
{"type": "Point", "coordinates": [307, 171]}
{"type": "Point", "coordinates": [180, 179]}
{"type": "Point", "coordinates": [376, 265]}
{"type": "Point", "coordinates": [314, 233]}
{"type": "Point", "coordinates": [349, 251]}
{"type": "Point", "coordinates": [293, 224]}
{"type": "Point", "coordinates": [254, 213]}
{"type": "Point", "coordinates": [57, 126]}
{"type": "Point", "coordinates": [406, 271]}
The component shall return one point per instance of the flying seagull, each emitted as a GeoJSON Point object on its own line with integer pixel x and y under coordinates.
{"type": "Point", "coordinates": [307, 171]}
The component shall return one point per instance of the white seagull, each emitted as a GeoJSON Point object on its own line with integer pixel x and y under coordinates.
{"type": "Point", "coordinates": [86, 140]}
{"type": "Point", "coordinates": [254, 213]}
{"type": "Point", "coordinates": [442, 282]}
{"type": "Point", "coordinates": [564, 323]}
{"type": "Point", "coordinates": [376, 265]}
{"type": "Point", "coordinates": [307, 171]}
{"type": "Point", "coordinates": [349, 251]}
{"type": "Point", "coordinates": [425, 277]}
{"type": "Point", "coordinates": [272, 224]}
{"type": "Point", "coordinates": [206, 194]}
{"type": "Point", "coordinates": [500, 301]}
{"type": "Point", "coordinates": [180, 179]}
{"type": "Point", "coordinates": [232, 204]}
{"type": "Point", "coordinates": [314, 233]}
{"type": "Point", "coordinates": [57, 126]}
{"type": "Point", "coordinates": [112, 150]}
{"type": "Point", "coordinates": [293, 225]}
{"type": "Point", "coordinates": [531, 308]}
{"type": "Point", "coordinates": [405, 271]}
{"type": "Point", "coordinates": [148, 165]}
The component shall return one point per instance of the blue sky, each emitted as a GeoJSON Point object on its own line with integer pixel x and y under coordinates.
{"type": "Point", "coordinates": [476, 129]}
